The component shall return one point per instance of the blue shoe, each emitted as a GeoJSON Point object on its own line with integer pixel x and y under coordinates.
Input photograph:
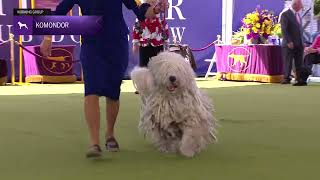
{"type": "Point", "coordinates": [112, 145]}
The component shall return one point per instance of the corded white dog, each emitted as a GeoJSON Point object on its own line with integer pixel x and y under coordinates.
{"type": "Point", "coordinates": [175, 114]}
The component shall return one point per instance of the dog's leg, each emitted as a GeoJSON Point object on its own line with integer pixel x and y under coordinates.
{"type": "Point", "coordinates": [164, 145]}
{"type": "Point", "coordinates": [189, 145]}
{"type": "Point", "coordinates": [168, 144]}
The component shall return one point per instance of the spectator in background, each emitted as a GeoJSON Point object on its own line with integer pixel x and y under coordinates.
{"type": "Point", "coordinates": [292, 43]}
{"type": "Point", "coordinates": [312, 56]}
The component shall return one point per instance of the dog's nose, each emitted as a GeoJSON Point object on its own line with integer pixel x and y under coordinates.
{"type": "Point", "coordinates": [172, 78]}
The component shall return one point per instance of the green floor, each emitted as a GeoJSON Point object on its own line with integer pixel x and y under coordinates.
{"type": "Point", "coordinates": [268, 132]}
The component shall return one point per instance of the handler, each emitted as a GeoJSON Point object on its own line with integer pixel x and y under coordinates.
{"type": "Point", "coordinates": [104, 59]}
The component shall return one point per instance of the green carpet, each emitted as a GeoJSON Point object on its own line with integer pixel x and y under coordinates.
{"type": "Point", "coordinates": [268, 132]}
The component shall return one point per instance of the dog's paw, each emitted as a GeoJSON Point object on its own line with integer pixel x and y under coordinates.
{"type": "Point", "coordinates": [142, 80]}
{"type": "Point", "coordinates": [163, 149]}
{"type": "Point", "coordinates": [187, 152]}
{"type": "Point", "coordinates": [189, 145]}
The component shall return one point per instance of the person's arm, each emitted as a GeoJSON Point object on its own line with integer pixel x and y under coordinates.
{"type": "Point", "coordinates": [309, 50]}
{"type": "Point", "coordinates": [314, 48]}
{"type": "Point", "coordinates": [166, 33]}
{"type": "Point", "coordinates": [316, 45]}
{"type": "Point", "coordinates": [62, 9]}
{"type": "Point", "coordinates": [145, 10]}
{"type": "Point", "coordinates": [136, 35]}
{"type": "Point", "coordinates": [65, 6]}
{"type": "Point", "coordinates": [139, 11]}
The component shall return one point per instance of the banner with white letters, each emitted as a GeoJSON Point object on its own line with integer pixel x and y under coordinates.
{"type": "Point", "coordinates": [196, 23]}
{"type": "Point", "coordinates": [193, 22]}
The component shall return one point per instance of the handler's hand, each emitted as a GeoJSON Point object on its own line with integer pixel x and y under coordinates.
{"type": "Point", "coordinates": [290, 45]}
{"type": "Point", "coordinates": [164, 5]}
{"type": "Point", "coordinates": [135, 49]}
{"type": "Point", "coordinates": [45, 46]}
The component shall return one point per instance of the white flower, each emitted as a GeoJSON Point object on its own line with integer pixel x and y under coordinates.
{"type": "Point", "coordinates": [146, 33]}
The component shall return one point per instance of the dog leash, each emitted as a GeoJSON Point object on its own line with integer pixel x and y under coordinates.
{"type": "Point", "coordinates": [164, 24]}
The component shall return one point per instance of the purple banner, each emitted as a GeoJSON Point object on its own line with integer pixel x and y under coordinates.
{"type": "Point", "coordinates": [6, 15]}
{"type": "Point", "coordinates": [255, 59]}
{"type": "Point", "coordinates": [57, 25]}
{"type": "Point", "coordinates": [190, 27]}
{"type": "Point", "coordinates": [196, 23]}
{"type": "Point", "coordinates": [6, 27]}
{"type": "Point", "coordinates": [60, 63]}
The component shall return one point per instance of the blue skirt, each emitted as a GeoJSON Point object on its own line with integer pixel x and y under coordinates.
{"type": "Point", "coordinates": [104, 66]}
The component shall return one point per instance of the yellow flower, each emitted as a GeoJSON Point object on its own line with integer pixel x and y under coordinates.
{"type": "Point", "coordinates": [247, 30]}
{"type": "Point", "coordinates": [253, 17]}
{"type": "Point", "coordinates": [247, 21]}
{"type": "Point", "coordinates": [256, 17]}
{"type": "Point", "coordinates": [267, 22]}
{"type": "Point", "coordinates": [268, 30]}
{"type": "Point", "coordinates": [258, 25]}
{"type": "Point", "coordinates": [249, 16]}
{"type": "Point", "coordinates": [254, 29]}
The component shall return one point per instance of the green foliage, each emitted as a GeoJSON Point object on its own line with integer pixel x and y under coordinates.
{"type": "Point", "coordinates": [316, 7]}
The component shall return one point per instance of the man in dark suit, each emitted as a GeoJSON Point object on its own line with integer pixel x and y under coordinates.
{"type": "Point", "coordinates": [292, 44]}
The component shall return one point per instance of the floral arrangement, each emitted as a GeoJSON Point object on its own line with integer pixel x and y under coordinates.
{"type": "Point", "coordinates": [276, 30]}
{"type": "Point", "coordinates": [258, 25]}
{"type": "Point", "coordinates": [316, 7]}
{"type": "Point", "coordinates": [238, 37]}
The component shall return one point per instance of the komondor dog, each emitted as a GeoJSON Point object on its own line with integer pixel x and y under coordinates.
{"type": "Point", "coordinates": [175, 114]}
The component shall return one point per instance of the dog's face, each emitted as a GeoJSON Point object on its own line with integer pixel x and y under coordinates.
{"type": "Point", "coordinates": [171, 72]}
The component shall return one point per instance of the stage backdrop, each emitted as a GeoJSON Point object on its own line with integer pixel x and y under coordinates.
{"type": "Point", "coordinates": [194, 22]}
{"type": "Point", "coordinates": [6, 20]}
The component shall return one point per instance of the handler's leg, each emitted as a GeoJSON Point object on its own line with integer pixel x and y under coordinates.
{"type": "Point", "coordinates": [112, 114]}
{"type": "Point", "coordinates": [92, 114]}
